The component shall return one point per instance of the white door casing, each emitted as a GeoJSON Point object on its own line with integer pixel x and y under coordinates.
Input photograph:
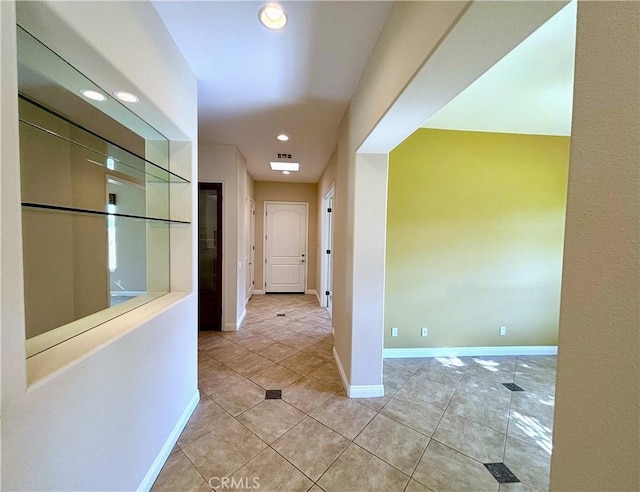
{"type": "Point", "coordinates": [285, 246]}
{"type": "Point", "coordinates": [326, 251]}
{"type": "Point", "coordinates": [251, 246]}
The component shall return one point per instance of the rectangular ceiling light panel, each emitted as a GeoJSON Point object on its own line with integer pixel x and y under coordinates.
{"type": "Point", "coordinates": [285, 166]}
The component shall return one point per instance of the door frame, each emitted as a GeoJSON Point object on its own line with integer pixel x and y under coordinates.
{"type": "Point", "coordinates": [251, 247]}
{"type": "Point", "coordinates": [264, 240]}
{"type": "Point", "coordinates": [324, 246]}
{"type": "Point", "coordinates": [218, 186]}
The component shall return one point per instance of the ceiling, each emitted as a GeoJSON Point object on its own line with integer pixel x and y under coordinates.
{"type": "Point", "coordinates": [528, 91]}
{"type": "Point", "coordinates": [254, 83]}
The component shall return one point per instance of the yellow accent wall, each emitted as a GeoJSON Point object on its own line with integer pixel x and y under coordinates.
{"type": "Point", "coordinates": [475, 228]}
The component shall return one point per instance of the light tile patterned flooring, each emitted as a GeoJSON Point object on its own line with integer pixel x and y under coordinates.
{"type": "Point", "coordinates": [439, 421]}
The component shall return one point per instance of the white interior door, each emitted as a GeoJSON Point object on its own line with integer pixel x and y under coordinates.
{"type": "Point", "coordinates": [285, 247]}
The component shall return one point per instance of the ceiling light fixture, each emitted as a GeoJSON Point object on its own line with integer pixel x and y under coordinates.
{"type": "Point", "coordinates": [272, 17]}
{"type": "Point", "coordinates": [93, 95]}
{"type": "Point", "coordinates": [285, 166]}
{"type": "Point", "coordinates": [283, 137]}
{"type": "Point", "coordinates": [286, 172]}
{"type": "Point", "coordinates": [125, 96]}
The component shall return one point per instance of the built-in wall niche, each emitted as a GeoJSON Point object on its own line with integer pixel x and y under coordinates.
{"type": "Point", "coordinates": [96, 219]}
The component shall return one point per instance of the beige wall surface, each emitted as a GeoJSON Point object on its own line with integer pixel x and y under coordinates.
{"type": "Point", "coordinates": [287, 192]}
{"type": "Point", "coordinates": [475, 229]}
{"type": "Point", "coordinates": [596, 427]}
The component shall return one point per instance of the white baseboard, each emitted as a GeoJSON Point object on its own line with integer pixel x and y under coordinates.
{"type": "Point", "coordinates": [333, 331]}
{"type": "Point", "coordinates": [311, 292]}
{"type": "Point", "coordinates": [230, 327]}
{"type": "Point", "coordinates": [163, 455]}
{"type": "Point", "coordinates": [258, 292]}
{"type": "Point", "coordinates": [241, 319]}
{"type": "Point", "coordinates": [318, 297]}
{"type": "Point", "coordinates": [402, 353]}
{"type": "Point", "coordinates": [357, 390]}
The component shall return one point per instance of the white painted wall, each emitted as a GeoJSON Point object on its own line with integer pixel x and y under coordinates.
{"type": "Point", "coordinates": [97, 412]}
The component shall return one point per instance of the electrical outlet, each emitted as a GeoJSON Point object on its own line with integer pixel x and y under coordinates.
{"type": "Point", "coordinates": [425, 331]}
{"type": "Point", "coordinates": [394, 332]}
{"type": "Point", "coordinates": [503, 331]}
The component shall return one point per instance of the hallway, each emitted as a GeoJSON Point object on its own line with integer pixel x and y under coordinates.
{"type": "Point", "coordinates": [439, 422]}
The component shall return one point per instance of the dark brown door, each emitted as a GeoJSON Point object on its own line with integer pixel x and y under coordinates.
{"type": "Point", "coordinates": [210, 256]}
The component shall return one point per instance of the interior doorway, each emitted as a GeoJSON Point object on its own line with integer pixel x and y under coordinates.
{"type": "Point", "coordinates": [326, 296]}
{"type": "Point", "coordinates": [285, 246]}
{"type": "Point", "coordinates": [210, 256]}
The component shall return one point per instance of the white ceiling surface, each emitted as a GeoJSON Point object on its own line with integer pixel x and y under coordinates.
{"type": "Point", "coordinates": [255, 83]}
{"type": "Point", "coordinates": [529, 91]}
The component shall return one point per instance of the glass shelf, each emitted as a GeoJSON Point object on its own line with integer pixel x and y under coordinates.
{"type": "Point", "coordinates": [119, 159]}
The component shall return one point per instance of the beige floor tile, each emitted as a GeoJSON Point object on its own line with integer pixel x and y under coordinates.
{"type": "Point", "coordinates": [409, 364]}
{"type": "Point", "coordinates": [207, 416]}
{"type": "Point", "coordinates": [270, 419]}
{"type": "Point", "coordinates": [206, 343]}
{"type": "Point", "coordinates": [277, 351]}
{"type": "Point", "coordinates": [377, 403]}
{"type": "Point", "coordinates": [444, 370]}
{"type": "Point", "coordinates": [414, 486]}
{"type": "Point", "coordinates": [269, 472]}
{"type": "Point", "coordinates": [222, 451]}
{"type": "Point", "coordinates": [299, 341]}
{"type": "Point", "coordinates": [323, 350]}
{"type": "Point", "coordinates": [417, 414]}
{"type": "Point", "coordinates": [307, 394]}
{"type": "Point", "coordinates": [250, 364]}
{"type": "Point", "coordinates": [394, 377]}
{"type": "Point", "coordinates": [529, 463]}
{"type": "Point", "coordinates": [538, 405]}
{"type": "Point", "coordinates": [275, 377]}
{"type": "Point", "coordinates": [227, 353]}
{"type": "Point", "coordinates": [311, 447]}
{"type": "Point", "coordinates": [178, 473]}
{"type": "Point", "coordinates": [491, 413]}
{"type": "Point", "coordinates": [483, 388]}
{"type": "Point", "coordinates": [280, 334]}
{"type": "Point", "coordinates": [475, 440]}
{"type": "Point", "coordinates": [432, 392]}
{"type": "Point", "coordinates": [328, 374]}
{"type": "Point", "coordinates": [215, 379]}
{"type": "Point", "coordinates": [444, 469]}
{"type": "Point", "coordinates": [393, 442]}
{"type": "Point", "coordinates": [516, 487]}
{"type": "Point", "coordinates": [239, 397]}
{"type": "Point", "coordinates": [206, 362]}
{"type": "Point", "coordinates": [304, 362]}
{"type": "Point", "coordinates": [255, 342]}
{"type": "Point", "coordinates": [530, 429]}
{"type": "Point", "coordinates": [499, 369]}
{"type": "Point", "coordinates": [359, 470]}
{"type": "Point", "coordinates": [344, 416]}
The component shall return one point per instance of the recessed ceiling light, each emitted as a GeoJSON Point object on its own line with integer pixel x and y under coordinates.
{"type": "Point", "coordinates": [283, 137]}
{"type": "Point", "coordinates": [94, 95]}
{"type": "Point", "coordinates": [125, 96]}
{"type": "Point", "coordinates": [286, 172]}
{"type": "Point", "coordinates": [285, 166]}
{"type": "Point", "coordinates": [272, 16]}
